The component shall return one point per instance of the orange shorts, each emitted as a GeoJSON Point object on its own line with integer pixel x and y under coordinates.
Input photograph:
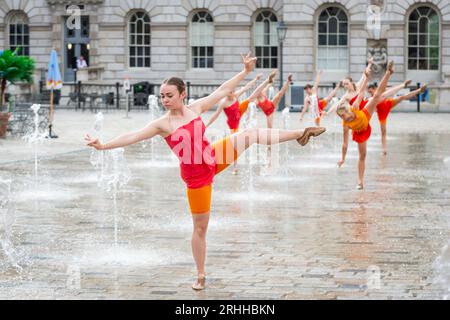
{"type": "Point", "coordinates": [384, 108]}
{"type": "Point", "coordinates": [200, 199]}
{"type": "Point", "coordinates": [243, 106]}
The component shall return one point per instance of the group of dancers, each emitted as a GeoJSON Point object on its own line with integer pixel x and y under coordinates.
{"type": "Point", "coordinates": [200, 161]}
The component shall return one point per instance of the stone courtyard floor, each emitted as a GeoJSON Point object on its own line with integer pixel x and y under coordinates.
{"type": "Point", "coordinates": [298, 231]}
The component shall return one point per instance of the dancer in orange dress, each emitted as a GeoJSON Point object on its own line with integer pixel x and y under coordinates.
{"type": "Point", "coordinates": [359, 120]}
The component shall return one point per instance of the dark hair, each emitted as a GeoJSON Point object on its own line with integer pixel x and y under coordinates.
{"type": "Point", "coordinates": [373, 86]}
{"type": "Point", "coordinates": [177, 82]}
{"type": "Point", "coordinates": [308, 86]}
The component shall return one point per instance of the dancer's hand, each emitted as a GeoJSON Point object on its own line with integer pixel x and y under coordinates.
{"type": "Point", "coordinates": [258, 76]}
{"type": "Point", "coordinates": [249, 62]}
{"type": "Point", "coordinates": [93, 142]}
{"type": "Point", "coordinates": [341, 163]}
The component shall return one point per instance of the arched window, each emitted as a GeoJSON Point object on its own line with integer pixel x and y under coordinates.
{"type": "Point", "coordinates": [202, 40]}
{"type": "Point", "coordinates": [19, 32]}
{"type": "Point", "coordinates": [333, 40]}
{"type": "Point", "coordinates": [139, 40]}
{"type": "Point", "coordinates": [423, 39]}
{"type": "Point", "coordinates": [266, 40]}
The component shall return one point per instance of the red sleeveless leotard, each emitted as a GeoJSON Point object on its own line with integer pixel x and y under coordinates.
{"type": "Point", "coordinates": [197, 157]}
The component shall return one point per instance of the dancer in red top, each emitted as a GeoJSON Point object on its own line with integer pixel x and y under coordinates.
{"type": "Point", "coordinates": [317, 107]}
{"type": "Point", "coordinates": [389, 103]}
{"type": "Point", "coordinates": [200, 161]}
{"type": "Point", "coordinates": [235, 111]}
{"type": "Point", "coordinates": [270, 106]}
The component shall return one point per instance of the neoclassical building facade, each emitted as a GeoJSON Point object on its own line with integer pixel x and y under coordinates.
{"type": "Point", "coordinates": [201, 40]}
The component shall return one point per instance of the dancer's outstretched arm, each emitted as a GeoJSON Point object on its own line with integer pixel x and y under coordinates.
{"type": "Point", "coordinates": [248, 86]}
{"type": "Point", "coordinates": [346, 134]}
{"type": "Point", "coordinates": [202, 105]}
{"type": "Point", "coordinates": [333, 93]}
{"type": "Point", "coordinates": [306, 103]}
{"type": "Point", "coordinates": [216, 114]}
{"type": "Point", "coordinates": [362, 89]}
{"type": "Point", "coordinates": [148, 132]}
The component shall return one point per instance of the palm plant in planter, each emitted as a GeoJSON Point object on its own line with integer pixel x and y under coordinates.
{"type": "Point", "coordinates": [13, 68]}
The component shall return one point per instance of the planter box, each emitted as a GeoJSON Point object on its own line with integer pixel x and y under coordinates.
{"type": "Point", "coordinates": [4, 119]}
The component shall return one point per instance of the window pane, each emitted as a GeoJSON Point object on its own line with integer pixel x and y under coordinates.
{"type": "Point", "coordinates": [147, 62]}
{"type": "Point", "coordinates": [147, 28]}
{"type": "Point", "coordinates": [423, 53]}
{"type": "Point", "coordinates": [413, 27]}
{"type": "Point", "coordinates": [333, 25]}
{"type": "Point", "coordinates": [333, 11]}
{"type": "Point", "coordinates": [147, 40]}
{"type": "Point", "coordinates": [342, 40]}
{"type": "Point", "coordinates": [433, 53]}
{"type": "Point", "coordinates": [343, 28]}
{"type": "Point", "coordinates": [414, 16]}
{"type": "Point", "coordinates": [132, 39]}
{"type": "Point", "coordinates": [412, 64]}
{"type": "Point", "coordinates": [266, 51]}
{"type": "Point", "coordinates": [274, 63]}
{"type": "Point", "coordinates": [332, 40]}
{"type": "Point", "coordinates": [423, 25]}
{"type": "Point", "coordinates": [424, 10]}
{"type": "Point", "coordinates": [322, 40]}
{"type": "Point", "coordinates": [132, 62]}
{"type": "Point", "coordinates": [202, 63]}
{"type": "Point", "coordinates": [258, 51]}
{"type": "Point", "coordinates": [210, 62]}
{"type": "Point", "coordinates": [342, 16]}
{"type": "Point", "coordinates": [210, 51]}
{"type": "Point", "coordinates": [323, 27]}
{"type": "Point", "coordinates": [412, 40]}
{"type": "Point", "coordinates": [139, 40]}
{"type": "Point", "coordinates": [147, 51]}
{"type": "Point", "coordinates": [274, 52]}
{"type": "Point", "coordinates": [423, 40]}
{"type": "Point", "coordinates": [412, 52]}
{"type": "Point", "coordinates": [434, 64]}
{"type": "Point", "coordinates": [423, 64]}
{"type": "Point", "coordinates": [202, 51]}
{"type": "Point", "coordinates": [434, 40]}
{"type": "Point", "coordinates": [132, 51]}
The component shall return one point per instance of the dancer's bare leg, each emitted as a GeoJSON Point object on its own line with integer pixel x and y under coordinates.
{"type": "Point", "coordinates": [241, 141]}
{"type": "Point", "coordinates": [199, 247]}
{"type": "Point", "coordinates": [276, 100]}
{"type": "Point", "coordinates": [362, 148]}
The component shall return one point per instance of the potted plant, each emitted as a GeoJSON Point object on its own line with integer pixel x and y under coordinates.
{"type": "Point", "coordinates": [13, 68]}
